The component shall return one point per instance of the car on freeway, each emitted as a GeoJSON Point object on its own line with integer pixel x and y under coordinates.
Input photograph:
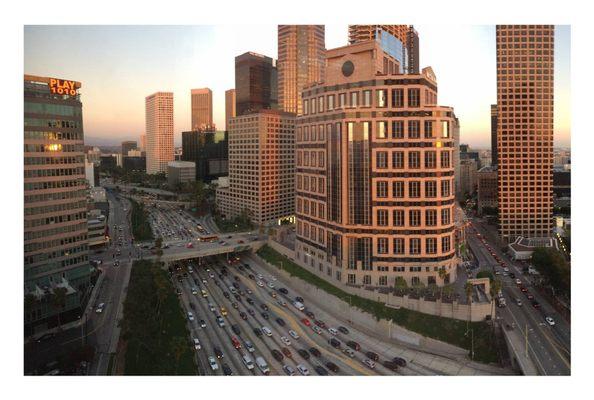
{"type": "Point", "coordinates": [260, 283]}
{"type": "Point", "coordinates": [286, 352]}
{"type": "Point", "coordinates": [519, 302]}
{"type": "Point", "coordinates": [235, 305]}
{"type": "Point", "coordinates": [306, 322]}
{"type": "Point", "coordinates": [343, 330]}
{"type": "Point", "coordinates": [371, 355]}
{"type": "Point", "coordinates": [223, 311]}
{"type": "Point", "coordinates": [354, 345]}
{"type": "Point", "coordinates": [315, 352]}
{"type": "Point", "coordinates": [213, 363]}
{"type": "Point", "coordinates": [211, 307]}
{"type": "Point", "coordinates": [218, 352]}
{"type": "Point", "coordinates": [289, 370]}
{"type": "Point", "coordinates": [249, 300]}
{"type": "Point", "coordinates": [333, 331]}
{"type": "Point", "coordinates": [518, 282]}
{"type": "Point", "coordinates": [100, 308]}
{"type": "Point", "coordinates": [204, 294]}
{"type": "Point", "coordinates": [512, 275]}
{"type": "Point", "coordinates": [249, 291]}
{"type": "Point", "coordinates": [391, 365]}
{"type": "Point", "coordinates": [251, 276]}
{"type": "Point", "coordinates": [303, 353]}
{"type": "Point", "coordinates": [302, 369]}
{"type": "Point", "coordinates": [535, 304]}
{"type": "Point", "coordinates": [260, 276]}
{"type": "Point", "coordinates": [283, 290]}
{"type": "Point", "coordinates": [293, 334]}
{"type": "Point", "coordinates": [235, 343]}
{"type": "Point", "coordinates": [264, 307]}
{"type": "Point", "coordinates": [524, 289]}
{"type": "Point", "coordinates": [249, 346]}
{"type": "Point", "coordinates": [550, 321]}
{"type": "Point", "coordinates": [196, 344]}
{"type": "Point", "coordinates": [277, 355]}
{"type": "Point", "coordinates": [220, 321]}
{"type": "Point", "coordinates": [202, 323]}
{"type": "Point", "coordinates": [321, 324]}
{"type": "Point", "coordinates": [334, 343]}
{"type": "Point", "coordinates": [299, 299]}
{"type": "Point", "coordinates": [369, 363]}
{"type": "Point", "coordinates": [204, 281]}
{"type": "Point", "coordinates": [280, 321]}
{"type": "Point", "coordinates": [281, 303]}
{"type": "Point", "coordinates": [310, 314]}
{"type": "Point", "coordinates": [265, 315]}
{"type": "Point", "coordinates": [285, 340]}
{"type": "Point", "coordinates": [332, 367]}
{"type": "Point", "coordinates": [243, 315]}
{"type": "Point", "coordinates": [349, 352]}
{"type": "Point", "coordinates": [273, 294]}
{"type": "Point", "coordinates": [227, 370]}
{"type": "Point", "coordinates": [251, 312]}
{"type": "Point", "coordinates": [316, 329]}
{"type": "Point", "coordinates": [190, 316]}
{"type": "Point", "coordinates": [529, 296]}
{"type": "Point", "coordinates": [267, 331]}
{"type": "Point", "coordinates": [258, 332]}
{"type": "Point", "coordinates": [400, 361]}
{"type": "Point", "coordinates": [193, 306]}
{"type": "Point", "coordinates": [320, 370]}
{"type": "Point", "coordinates": [271, 285]}
{"type": "Point", "coordinates": [235, 329]}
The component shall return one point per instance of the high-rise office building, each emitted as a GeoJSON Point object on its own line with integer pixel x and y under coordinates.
{"type": "Point", "coordinates": [486, 179]}
{"type": "Point", "coordinates": [400, 41]}
{"type": "Point", "coordinates": [142, 142]}
{"type": "Point", "coordinates": [208, 149]}
{"type": "Point", "coordinates": [255, 83]}
{"type": "Point", "coordinates": [159, 131]}
{"type": "Point", "coordinates": [127, 146]}
{"type": "Point", "coordinates": [230, 110]}
{"type": "Point", "coordinates": [301, 50]}
{"type": "Point", "coordinates": [201, 108]}
{"type": "Point", "coordinates": [374, 174]}
{"type": "Point", "coordinates": [525, 95]}
{"type": "Point", "coordinates": [55, 198]}
{"type": "Point", "coordinates": [261, 167]}
{"type": "Point", "coordinates": [493, 135]}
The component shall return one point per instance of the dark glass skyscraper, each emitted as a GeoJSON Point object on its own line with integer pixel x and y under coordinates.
{"type": "Point", "coordinates": [55, 194]}
{"type": "Point", "coordinates": [209, 150]}
{"type": "Point", "coordinates": [255, 83]}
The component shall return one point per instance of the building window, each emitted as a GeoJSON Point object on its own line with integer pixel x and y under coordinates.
{"type": "Point", "coordinates": [381, 189]}
{"type": "Point", "coordinates": [414, 158]}
{"type": "Point", "coordinates": [414, 129]}
{"type": "Point", "coordinates": [367, 98]}
{"type": "Point", "coordinates": [428, 129]}
{"type": "Point", "coordinates": [382, 130]}
{"type": "Point", "coordinates": [383, 280]}
{"type": "Point", "coordinates": [330, 102]}
{"type": "Point", "coordinates": [398, 98]}
{"type": "Point", "coordinates": [305, 107]}
{"type": "Point", "coordinates": [382, 245]}
{"type": "Point", "coordinates": [398, 217]}
{"type": "Point", "coordinates": [430, 189]}
{"type": "Point", "coordinates": [414, 218]}
{"type": "Point", "coordinates": [306, 133]}
{"type": "Point", "coordinates": [321, 159]}
{"type": "Point", "coordinates": [367, 279]}
{"type": "Point", "coordinates": [312, 104]}
{"type": "Point", "coordinates": [445, 188]}
{"type": "Point", "coordinates": [351, 279]}
{"type": "Point", "coordinates": [414, 189]}
{"type": "Point", "coordinates": [397, 159]}
{"type": "Point", "coordinates": [381, 98]}
{"type": "Point", "coordinates": [445, 216]}
{"type": "Point", "coordinates": [313, 133]}
{"type": "Point", "coordinates": [299, 181]}
{"type": "Point", "coordinates": [321, 104]}
{"type": "Point", "coordinates": [414, 97]}
{"type": "Point", "coordinates": [381, 159]}
{"type": "Point", "coordinates": [431, 217]}
{"type": "Point", "coordinates": [431, 245]}
{"type": "Point", "coordinates": [445, 129]}
{"type": "Point", "coordinates": [415, 246]}
{"type": "Point", "coordinates": [397, 129]}
{"type": "Point", "coordinates": [445, 159]}
{"type": "Point", "coordinates": [382, 217]}
{"type": "Point", "coordinates": [398, 245]}
{"type": "Point", "coordinates": [445, 244]}
{"type": "Point", "coordinates": [430, 159]}
{"type": "Point", "coordinates": [354, 99]}
{"type": "Point", "coordinates": [342, 100]}
{"type": "Point", "coordinates": [321, 133]}
{"type": "Point", "coordinates": [398, 189]}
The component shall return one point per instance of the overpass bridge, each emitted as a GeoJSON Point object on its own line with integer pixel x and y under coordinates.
{"type": "Point", "coordinates": [173, 254]}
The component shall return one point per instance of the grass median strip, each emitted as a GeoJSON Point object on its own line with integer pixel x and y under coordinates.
{"type": "Point", "coordinates": [154, 325]}
{"type": "Point", "coordinates": [141, 228]}
{"type": "Point", "coordinates": [448, 330]}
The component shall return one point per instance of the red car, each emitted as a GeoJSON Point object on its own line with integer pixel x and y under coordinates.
{"type": "Point", "coordinates": [236, 343]}
{"type": "Point", "coordinates": [523, 289]}
{"type": "Point", "coordinates": [306, 322]}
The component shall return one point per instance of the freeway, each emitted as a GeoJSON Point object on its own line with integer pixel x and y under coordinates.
{"type": "Point", "coordinates": [548, 346]}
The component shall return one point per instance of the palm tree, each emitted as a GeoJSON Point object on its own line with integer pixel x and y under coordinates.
{"type": "Point", "coordinates": [442, 274]}
{"type": "Point", "coordinates": [495, 288]}
{"type": "Point", "coordinates": [59, 301]}
{"type": "Point", "coordinates": [468, 288]}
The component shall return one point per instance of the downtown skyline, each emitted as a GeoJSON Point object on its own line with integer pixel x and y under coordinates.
{"type": "Point", "coordinates": [112, 62]}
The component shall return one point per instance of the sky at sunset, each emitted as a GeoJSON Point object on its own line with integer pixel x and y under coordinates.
{"type": "Point", "coordinates": [119, 66]}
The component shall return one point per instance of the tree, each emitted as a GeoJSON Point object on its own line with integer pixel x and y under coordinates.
{"type": "Point", "coordinates": [59, 301]}
{"type": "Point", "coordinates": [494, 291]}
{"type": "Point", "coordinates": [400, 283]}
{"type": "Point", "coordinates": [485, 274]}
{"type": "Point", "coordinates": [551, 264]}
{"type": "Point", "coordinates": [442, 274]}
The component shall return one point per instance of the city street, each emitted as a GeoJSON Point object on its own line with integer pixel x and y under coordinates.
{"type": "Point", "coordinates": [548, 346]}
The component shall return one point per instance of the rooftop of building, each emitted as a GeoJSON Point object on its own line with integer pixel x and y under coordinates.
{"type": "Point", "coordinates": [529, 244]}
{"type": "Point", "coordinates": [488, 168]}
{"type": "Point", "coordinates": [181, 164]}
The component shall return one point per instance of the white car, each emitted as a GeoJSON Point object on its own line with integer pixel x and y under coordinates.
{"type": "Point", "coordinates": [349, 352]}
{"type": "Point", "coordinates": [267, 331]}
{"type": "Point", "coordinates": [213, 363]}
{"type": "Point", "coordinates": [518, 282]}
{"type": "Point", "coordinates": [550, 321]}
{"type": "Point", "coordinates": [260, 276]}
{"type": "Point", "coordinates": [260, 283]}
{"type": "Point", "coordinates": [506, 269]}
{"type": "Point", "coordinates": [288, 370]}
{"type": "Point", "coordinates": [271, 285]}
{"type": "Point", "coordinates": [211, 307]}
{"type": "Point", "coordinates": [293, 334]}
{"type": "Point", "coordinates": [302, 370]}
{"type": "Point", "coordinates": [249, 346]}
{"type": "Point", "coordinates": [333, 331]}
{"type": "Point", "coordinates": [285, 340]}
{"type": "Point", "coordinates": [100, 308]}
{"type": "Point", "coordinates": [190, 316]}
{"type": "Point", "coordinates": [369, 363]}
{"type": "Point", "coordinates": [197, 345]}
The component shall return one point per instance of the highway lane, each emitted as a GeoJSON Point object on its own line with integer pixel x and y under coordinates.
{"type": "Point", "coordinates": [550, 355]}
